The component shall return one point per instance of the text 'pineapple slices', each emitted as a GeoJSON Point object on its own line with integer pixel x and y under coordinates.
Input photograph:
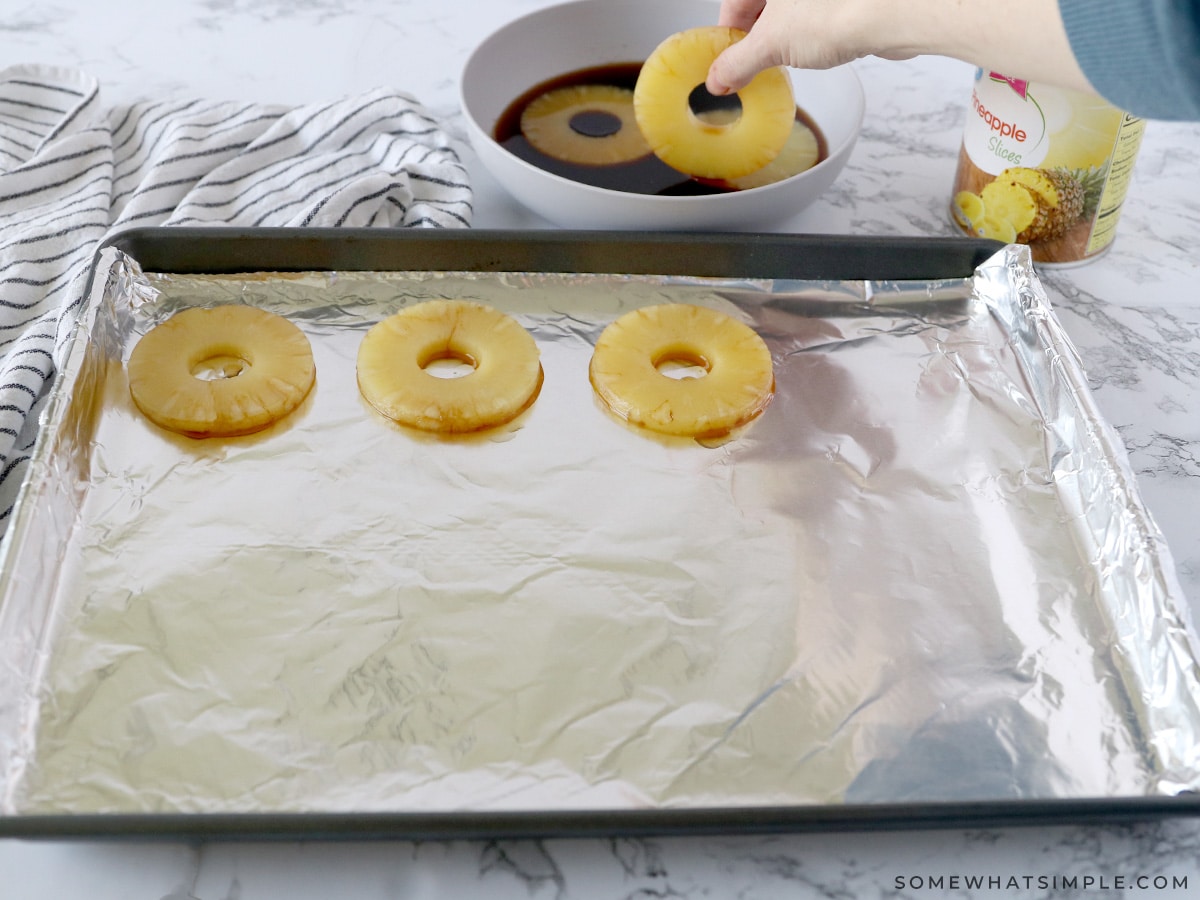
{"type": "Point", "coordinates": [220, 372]}
{"type": "Point", "coordinates": [586, 124]}
{"type": "Point", "coordinates": [627, 370]}
{"type": "Point", "coordinates": [504, 373]}
{"type": "Point", "coordinates": [689, 143]}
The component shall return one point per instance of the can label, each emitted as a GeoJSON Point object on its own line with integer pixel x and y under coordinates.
{"type": "Point", "coordinates": [1043, 166]}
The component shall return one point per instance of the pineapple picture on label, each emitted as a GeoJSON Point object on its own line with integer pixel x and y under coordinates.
{"type": "Point", "coordinates": [1030, 205]}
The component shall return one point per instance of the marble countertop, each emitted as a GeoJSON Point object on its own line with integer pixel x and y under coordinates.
{"type": "Point", "coordinates": [1134, 315]}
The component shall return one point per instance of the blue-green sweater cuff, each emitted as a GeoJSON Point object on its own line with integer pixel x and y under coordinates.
{"type": "Point", "coordinates": [1141, 55]}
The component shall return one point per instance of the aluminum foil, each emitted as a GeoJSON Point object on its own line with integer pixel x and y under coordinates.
{"type": "Point", "coordinates": [924, 574]}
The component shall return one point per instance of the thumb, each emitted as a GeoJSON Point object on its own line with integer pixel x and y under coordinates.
{"type": "Point", "coordinates": [738, 64]}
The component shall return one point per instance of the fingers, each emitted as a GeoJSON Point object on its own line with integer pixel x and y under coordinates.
{"type": "Point", "coordinates": [734, 69]}
{"type": "Point", "coordinates": [740, 13]}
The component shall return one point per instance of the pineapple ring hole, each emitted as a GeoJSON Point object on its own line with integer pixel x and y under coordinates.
{"type": "Point", "coordinates": [448, 363]}
{"type": "Point", "coordinates": [679, 363]}
{"type": "Point", "coordinates": [595, 123]}
{"type": "Point", "coordinates": [712, 111]}
{"type": "Point", "coordinates": [218, 364]}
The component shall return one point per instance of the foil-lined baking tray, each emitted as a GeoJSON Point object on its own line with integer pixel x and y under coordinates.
{"type": "Point", "coordinates": [920, 588]}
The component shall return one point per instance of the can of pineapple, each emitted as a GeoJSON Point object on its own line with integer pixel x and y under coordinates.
{"type": "Point", "coordinates": [1043, 166]}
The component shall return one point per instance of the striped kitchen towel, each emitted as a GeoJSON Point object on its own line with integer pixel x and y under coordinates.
{"type": "Point", "coordinates": [73, 172]}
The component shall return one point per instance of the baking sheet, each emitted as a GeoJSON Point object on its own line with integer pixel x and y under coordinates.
{"type": "Point", "coordinates": [923, 576]}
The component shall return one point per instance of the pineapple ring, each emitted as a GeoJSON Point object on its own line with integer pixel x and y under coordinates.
{"type": "Point", "coordinates": [704, 149]}
{"type": "Point", "coordinates": [799, 154]}
{"type": "Point", "coordinates": [549, 124]}
{"type": "Point", "coordinates": [394, 355]}
{"type": "Point", "coordinates": [736, 387]}
{"type": "Point", "coordinates": [968, 209]}
{"type": "Point", "coordinates": [220, 371]}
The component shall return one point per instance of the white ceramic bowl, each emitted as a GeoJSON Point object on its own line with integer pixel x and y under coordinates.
{"type": "Point", "coordinates": [577, 35]}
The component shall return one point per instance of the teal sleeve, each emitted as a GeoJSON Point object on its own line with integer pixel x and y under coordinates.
{"type": "Point", "coordinates": [1141, 55]}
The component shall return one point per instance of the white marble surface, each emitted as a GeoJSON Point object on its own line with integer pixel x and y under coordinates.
{"type": "Point", "coordinates": [1134, 314]}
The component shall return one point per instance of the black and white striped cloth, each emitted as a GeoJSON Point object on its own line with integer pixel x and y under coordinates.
{"type": "Point", "coordinates": [72, 172]}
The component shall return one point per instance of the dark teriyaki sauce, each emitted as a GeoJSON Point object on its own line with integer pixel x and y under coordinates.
{"type": "Point", "coordinates": [648, 175]}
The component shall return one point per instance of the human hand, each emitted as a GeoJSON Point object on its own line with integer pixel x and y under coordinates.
{"type": "Point", "coordinates": [808, 34]}
{"type": "Point", "coordinates": [1028, 41]}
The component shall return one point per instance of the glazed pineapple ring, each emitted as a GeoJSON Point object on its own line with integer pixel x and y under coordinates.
{"type": "Point", "coordinates": [737, 385]}
{"type": "Point", "coordinates": [220, 372]}
{"type": "Point", "coordinates": [394, 355]}
{"type": "Point", "coordinates": [799, 154]}
{"type": "Point", "coordinates": [706, 149]}
{"type": "Point", "coordinates": [559, 124]}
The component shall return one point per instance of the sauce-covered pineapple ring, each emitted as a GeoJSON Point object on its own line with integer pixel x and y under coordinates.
{"type": "Point", "coordinates": [684, 141]}
{"type": "Point", "coordinates": [799, 154]}
{"type": "Point", "coordinates": [394, 355]}
{"type": "Point", "coordinates": [550, 124]}
{"type": "Point", "coordinates": [221, 371]}
{"type": "Point", "coordinates": [735, 388]}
